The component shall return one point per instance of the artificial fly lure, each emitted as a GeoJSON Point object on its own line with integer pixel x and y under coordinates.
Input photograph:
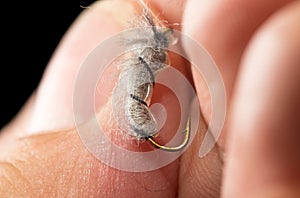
{"type": "Point", "coordinates": [132, 94]}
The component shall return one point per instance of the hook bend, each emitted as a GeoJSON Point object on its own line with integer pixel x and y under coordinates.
{"type": "Point", "coordinates": [176, 148]}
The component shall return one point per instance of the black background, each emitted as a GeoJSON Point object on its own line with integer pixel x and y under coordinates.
{"type": "Point", "coordinates": [30, 33]}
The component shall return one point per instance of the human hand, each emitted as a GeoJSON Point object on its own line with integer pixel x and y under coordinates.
{"type": "Point", "coordinates": [258, 58]}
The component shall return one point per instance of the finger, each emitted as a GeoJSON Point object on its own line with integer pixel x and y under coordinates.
{"type": "Point", "coordinates": [171, 10]}
{"type": "Point", "coordinates": [263, 150]}
{"type": "Point", "coordinates": [84, 35]}
{"type": "Point", "coordinates": [224, 29]}
{"type": "Point", "coordinates": [200, 177]}
{"type": "Point", "coordinates": [62, 153]}
{"type": "Point", "coordinates": [57, 164]}
{"type": "Point", "coordinates": [11, 131]}
{"type": "Point", "coordinates": [53, 105]}
{"type": "Point", "coordinates": [50, 106]}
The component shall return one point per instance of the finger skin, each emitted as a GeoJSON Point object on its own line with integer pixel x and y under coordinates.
{"type": "Point", "coordinates": [224, 28]}
{"type": "Point", "coordinates": [53, 106]}
{"type": "Point", "coordinates": [57, 163]}
{"type": "Point", "coordinates": [171, 10]}
{"type": "Point", "coordinates": [12, 130]}
{"type": "Point", "coordinates": [96, 24]}
{"type": "Point", "coordinates": [263, 150]}
{"type": "Point", "coordinates": [200, 177]}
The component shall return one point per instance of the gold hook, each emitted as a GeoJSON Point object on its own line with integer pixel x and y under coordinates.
{"type": "Point", "coordinates": [177, 148]}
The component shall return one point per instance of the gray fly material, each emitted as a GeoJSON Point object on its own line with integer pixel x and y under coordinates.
{"type": "Point", "coordinates": [133, 92]}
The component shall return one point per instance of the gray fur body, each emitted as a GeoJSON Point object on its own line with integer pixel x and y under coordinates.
{"type": "Point", "coordinates": [137, 78]}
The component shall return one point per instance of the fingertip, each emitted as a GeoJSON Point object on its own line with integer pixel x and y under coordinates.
{"type": "Point", "coordinates": [53, 106]}
{"type": "Point", "coordinates": [263, 145]}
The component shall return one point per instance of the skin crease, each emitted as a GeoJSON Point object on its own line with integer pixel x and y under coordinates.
{"type": "Point", "coordinates": [73, 172]}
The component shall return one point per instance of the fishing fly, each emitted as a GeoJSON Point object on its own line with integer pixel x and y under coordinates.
{"type": "Point", "coordinates": [132, 94]}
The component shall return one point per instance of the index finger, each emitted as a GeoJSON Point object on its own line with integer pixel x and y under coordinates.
{"type": "Point", "coordinates": [57, 163]}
